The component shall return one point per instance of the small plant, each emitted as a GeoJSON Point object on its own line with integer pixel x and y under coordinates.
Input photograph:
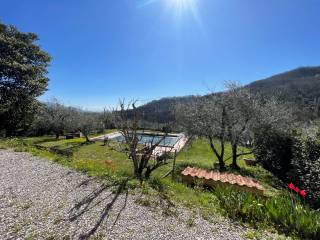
{"type": "Point", "coordinates": [241, 205]}
{"type": "Point", "coordinates": [300, 192]}
{"type": "Point", "coordinates": [286, 213]}
{"type": "Point", "coordinates": [252, 235]}
{"type": "Point", "coordinates": [294, 217]}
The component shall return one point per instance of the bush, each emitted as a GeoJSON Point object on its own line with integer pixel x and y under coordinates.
{"type": "Point", "coordinates": [274, 149]}
{"type": "Point", "coordinates": [285, 213]}
{"type": "Point", "coordinates": [292, 158]}
{"type": "Point", "coordinates": [306, 168]}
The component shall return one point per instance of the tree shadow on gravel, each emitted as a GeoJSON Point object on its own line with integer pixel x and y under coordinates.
{"type": "Point", "coordinates": [88, 203]}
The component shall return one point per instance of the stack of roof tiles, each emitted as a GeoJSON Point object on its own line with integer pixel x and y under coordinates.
{"type": "Point", "coordinates": [213, 179]}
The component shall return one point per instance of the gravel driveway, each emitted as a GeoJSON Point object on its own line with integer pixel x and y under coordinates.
{"type": "Point", "coordinates": [43, 200]}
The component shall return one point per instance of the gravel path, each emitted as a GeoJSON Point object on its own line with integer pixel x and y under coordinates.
{"type": "Point", "coordinates": [43, 200]}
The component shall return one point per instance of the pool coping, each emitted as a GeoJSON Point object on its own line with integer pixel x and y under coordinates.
{"type": "Point", "coordinates": [159, 150]}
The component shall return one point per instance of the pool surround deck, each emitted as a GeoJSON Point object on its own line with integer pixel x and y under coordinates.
{"type": "Point", "coordinates": [159, 150]}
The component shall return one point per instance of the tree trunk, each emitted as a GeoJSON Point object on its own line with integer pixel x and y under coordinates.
{"type": "Point", "coordinates": [87, 138]}
{"type": "Point", "coordinates": [136, 166]}
{"type": "Point", "coordinates": [57, 136]}
{"type": "Point", "coordinates": [148, 173]}
{"type": "Point", "coordinates": [234, 164]}
{"type": "Point", "coordinates": [222, 166]}
{"type": "Point", "coordinates": [138, 175]}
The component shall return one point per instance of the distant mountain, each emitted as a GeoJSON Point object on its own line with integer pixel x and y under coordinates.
{"type": "Point", "coordinates": [162, 110]}
{"type": "Point", "coordinates": [300, 86]}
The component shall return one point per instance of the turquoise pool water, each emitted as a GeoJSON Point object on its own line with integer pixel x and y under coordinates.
{"type": "Point", "coordinates": [168, 141]}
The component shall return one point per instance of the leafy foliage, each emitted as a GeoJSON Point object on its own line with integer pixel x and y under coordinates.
{"type": "Point", "coordinates": [230, 116]}
{"type": "Point", "coordinates": [23, 69]}
{"type": "Point", "coordinates": [87, 122]}
{"type": "Point", "coordinates": [55, 117]}
{"type": "Point", "coordinates": [273, 148]}
{"type": "Point", "coordinates": [292, 158]}
{"type": "Point", "coordinates": [306, 168]}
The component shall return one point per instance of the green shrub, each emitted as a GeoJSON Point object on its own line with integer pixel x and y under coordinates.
{"type": "Point", "coordinates": [292, 158]}
{"type": "Point", "coordinates": [306, 169]}
{"type": "Point", "coordinates": [274, 149]}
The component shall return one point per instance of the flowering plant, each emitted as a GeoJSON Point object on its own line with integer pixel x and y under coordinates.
{"type": "Point", "coordinates": [292, 187]}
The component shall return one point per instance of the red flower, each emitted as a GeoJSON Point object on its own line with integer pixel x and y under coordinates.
{"type": "Point", "coordinates": [291, 186]}
{"type": "Point", "coordinates": [296, 189]}
{"type": "Point", "coordinates": [303, 193]}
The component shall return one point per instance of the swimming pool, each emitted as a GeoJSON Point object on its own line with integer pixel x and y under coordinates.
{"type": "Point", "coordinates": [168, 141]}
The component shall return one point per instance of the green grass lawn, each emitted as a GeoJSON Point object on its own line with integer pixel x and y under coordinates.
{"type": "Point", "coordinates": [93, 159]}
{"type": "Point", "coordinates": [105, 162]}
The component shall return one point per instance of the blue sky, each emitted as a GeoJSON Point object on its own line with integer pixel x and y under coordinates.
{"type": "Point", "coordinates": [104, 50]}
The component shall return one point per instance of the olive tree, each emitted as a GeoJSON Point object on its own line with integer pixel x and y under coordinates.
{"type": "Point", "coordinates": [87, 122]}
{"type": "Point", "coordinates": [206, 117]}
{"type": "Point", "coordinates": [227, 117]}
{"type": "Point", "coordinates": [273, 113]}
{"type": "Point", "coordinates": [241, 114]}
{"type": "Point", "coordinates": [58, 117]}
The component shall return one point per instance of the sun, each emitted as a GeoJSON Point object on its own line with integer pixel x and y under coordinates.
{"type": "Point", "coordinates": [180, 6]}
{"type": "Point", "coordinates": [181, 9]}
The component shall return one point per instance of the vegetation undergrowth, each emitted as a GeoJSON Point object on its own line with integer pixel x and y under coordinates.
{"type": "Point", "coordinates": [285, 212]}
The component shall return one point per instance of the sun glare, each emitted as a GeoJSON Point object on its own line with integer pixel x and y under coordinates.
{"type": "Point", "coordinates": [180, 8]}
{"type": "Point", "coordinates": [182, 5]}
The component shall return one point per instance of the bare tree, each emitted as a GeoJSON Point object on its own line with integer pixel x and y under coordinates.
{"type": "Point", "coordinates": [128, 121]}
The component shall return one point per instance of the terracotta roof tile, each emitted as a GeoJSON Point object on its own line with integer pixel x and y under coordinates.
{"type": "Point", "coordinates": [223, 177]}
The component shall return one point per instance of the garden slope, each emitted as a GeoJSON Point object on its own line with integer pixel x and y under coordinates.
{"type": "Point", "coordinates": [40, 199]}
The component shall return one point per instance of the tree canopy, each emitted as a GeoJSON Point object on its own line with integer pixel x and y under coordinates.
{"type": "Point", "coordinates": [23, 70]}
